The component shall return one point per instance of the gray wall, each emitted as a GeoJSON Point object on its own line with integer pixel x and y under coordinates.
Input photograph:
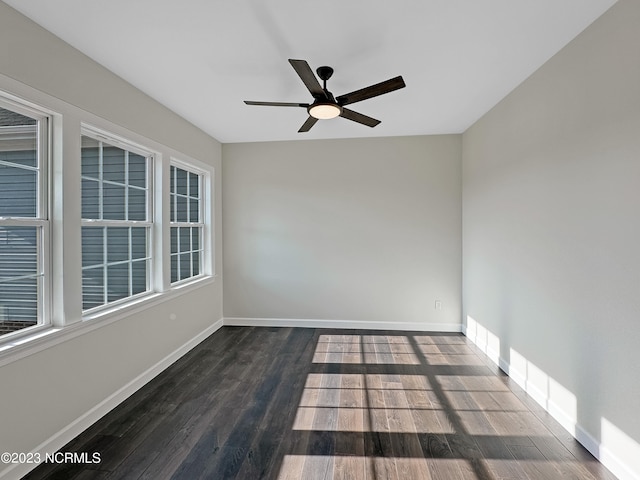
{"type": "Point", "coordinates": [362, 230]}
{"type": "Point", "coordinates": [45, 392]}
{"type": "Point", "coordinates": [551, 233]}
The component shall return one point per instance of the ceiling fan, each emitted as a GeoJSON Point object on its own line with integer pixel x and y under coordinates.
{"type": "Point", "coordinates": [325, 105]}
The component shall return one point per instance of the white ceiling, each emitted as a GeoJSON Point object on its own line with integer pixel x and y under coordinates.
{"type": "Point", "coordinates": [202, 58]}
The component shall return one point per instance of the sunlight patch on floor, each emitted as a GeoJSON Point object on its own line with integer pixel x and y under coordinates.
{"type": "Point", "coordinates": [391, 420]}
{"type": "Point", "coordinates": [365, 349]}
{"type": "Point", "coordinates": [311, 467]}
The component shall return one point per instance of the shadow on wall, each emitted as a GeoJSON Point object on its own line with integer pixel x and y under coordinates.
{"type": "Point", "coordinates": [614, 448]}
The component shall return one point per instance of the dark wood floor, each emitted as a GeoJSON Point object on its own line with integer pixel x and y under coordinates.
{"type": "Point", "coordinates": [283, 403]}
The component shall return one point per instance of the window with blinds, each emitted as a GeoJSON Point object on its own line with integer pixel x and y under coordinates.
{"type": "Point", "coordinates": [187, 223]}
{"type": "Point", "coordinates": [116, 222]}
{"type": "Point", "coordinates": [23, 218]}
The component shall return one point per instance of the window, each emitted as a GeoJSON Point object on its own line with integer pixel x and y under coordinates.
{"type": "Point", "coordinates": [187, 223]}
{"type": "Point", "coordinates": [116, 221]}
{"type": "Point", "coordinates": [89, 236]}
{"type": "Point", "coordinates": [23, 218]}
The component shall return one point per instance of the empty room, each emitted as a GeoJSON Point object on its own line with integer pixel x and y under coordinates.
{"type": "Point", "coordinates": [348, 240]}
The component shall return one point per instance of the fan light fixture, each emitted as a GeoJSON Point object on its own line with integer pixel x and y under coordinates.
{"type": "Point", "coordinates": [324, 111]}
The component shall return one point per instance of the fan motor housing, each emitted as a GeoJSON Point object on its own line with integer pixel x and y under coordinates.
{"type": "Point", "coordinates": [324, 72]}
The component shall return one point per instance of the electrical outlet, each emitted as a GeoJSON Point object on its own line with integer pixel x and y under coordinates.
{"type": "Point", "coordinates": [438, 305]}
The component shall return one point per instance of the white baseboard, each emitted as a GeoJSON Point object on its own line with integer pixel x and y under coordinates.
{"type": "Point", "coordinates": [68, 433]}
{"type": "Point", "coordinates": [343, 324]}
{"type": "Point", "coordinates": [556, 411]}
{"type": "Point", "coordinates": [594, 446]}
{"type": "Point", "coordinates": [612, 461]}
{"type": "Point", "coordinates": [608, 458]}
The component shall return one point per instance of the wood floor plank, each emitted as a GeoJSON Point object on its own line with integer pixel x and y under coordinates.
{"type": "Point", "coordinates": [533, 463]}
{"type": "Point", "coordinates": [349, 468]}
{"type": "Point", "coordinates": [272, 441]}
{"type": "Point", "coordinates": [203, 405]}
{"type": "Point", "coordinates": [565, 462]}
{"type": "Point", "coordinates": [287, 403]}
{"type": "Point", "coordinates": [449, 468]}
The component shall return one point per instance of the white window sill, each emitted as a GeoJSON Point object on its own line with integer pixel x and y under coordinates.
{"type": "Point", "coordinates": [41, 339]}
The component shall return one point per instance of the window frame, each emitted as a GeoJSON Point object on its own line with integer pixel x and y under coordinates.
{"type": "Point", "coordinates": [203, 223]}
{"type": "Point", "coordinates": [41, 221]}
{"type": "Point", "coordinates": [113, 140]}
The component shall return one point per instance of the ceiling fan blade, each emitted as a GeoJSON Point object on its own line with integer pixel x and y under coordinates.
{"type": "Point", "coordinates": [277, 104]}
{"type": "Point", "coordinates": [371, 91]}
{"type": "Point", "coordinates": [309, 78]}
{"type": "Point", "coordinates": [306, 126]}
{"type": "Point", "coordinates": [359, 117]}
